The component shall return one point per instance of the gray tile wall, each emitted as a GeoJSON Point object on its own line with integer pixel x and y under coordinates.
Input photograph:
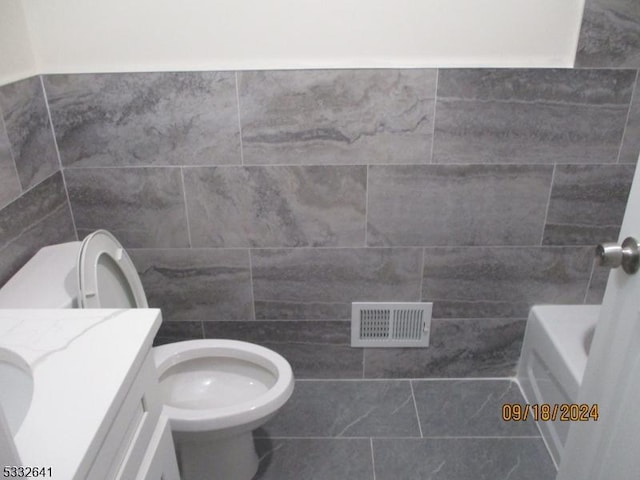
{"type": "Point", "coordinates": [610, 34]}
{"type": "Point", "coordinates": [276, 206]}
{"type": "Point", "coordinates": [531, 116]}
{"type": "Point", "coordinates": [337, 117]}
{"type": "Point", "coordinates": [259, 205]}
{"type": "Point", "coordinates": [34, 208]}
{"type": "Point", "coordinates": [145, 119]}
{"type": "Point", "coordinates": [28, 131]}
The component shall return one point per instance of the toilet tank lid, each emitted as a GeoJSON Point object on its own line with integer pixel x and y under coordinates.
{"type": "Point", "coordinates": [48, 280]}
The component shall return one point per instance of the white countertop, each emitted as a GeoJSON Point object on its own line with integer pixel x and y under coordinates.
{"type": "Point", "coordinates": [82, 362]}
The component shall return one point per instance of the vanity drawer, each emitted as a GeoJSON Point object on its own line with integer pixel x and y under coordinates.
{"type": "Point", "coordinates": [160, 461]}
{"type": "Point", "coordinates": [130, 433]}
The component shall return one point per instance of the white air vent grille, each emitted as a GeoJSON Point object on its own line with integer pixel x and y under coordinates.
{"type": "Point", "coordinates": [386, 324]}
{"type": "Point", "coordinates": [374, 323]}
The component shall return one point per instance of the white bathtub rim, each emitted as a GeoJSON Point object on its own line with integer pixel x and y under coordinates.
{"type": "Point", "coordinates": [567, 327]}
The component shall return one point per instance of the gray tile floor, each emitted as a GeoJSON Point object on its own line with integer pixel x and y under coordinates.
{"type": "Point", "coordinates": [401, 430]}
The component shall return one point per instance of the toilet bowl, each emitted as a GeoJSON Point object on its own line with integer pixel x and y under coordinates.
{"type": "Point", "coordinates": [215, 392]}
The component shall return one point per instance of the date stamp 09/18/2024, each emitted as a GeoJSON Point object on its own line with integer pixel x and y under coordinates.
{"type": "Point", "coordinates": [545, 412]}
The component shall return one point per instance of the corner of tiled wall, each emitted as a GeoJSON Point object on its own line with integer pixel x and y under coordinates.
{"type": "Point", "coordinates": [34, 207]}
{"type": "Point", "coordinates": [610, 35]}
{"type": "Point", "coordinates": [610, 38]}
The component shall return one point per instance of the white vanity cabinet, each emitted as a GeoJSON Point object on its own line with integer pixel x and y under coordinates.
{"type": "Point", "coordinates": [95, 411]}
{"type": "Point", "coordinates": [138, 444]}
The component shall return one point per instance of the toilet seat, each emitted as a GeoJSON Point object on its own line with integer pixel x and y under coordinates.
{"type": "Point", "coordinates": [107, 276]}
{"type": "Point", "coordinates": [253, 408]}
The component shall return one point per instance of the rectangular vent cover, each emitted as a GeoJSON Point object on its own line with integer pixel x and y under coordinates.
{"type": "Point", "coordinates": [390, 324]}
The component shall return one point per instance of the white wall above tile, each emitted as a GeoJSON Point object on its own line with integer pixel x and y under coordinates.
{"type": "Point", "coordinates": [72, 36]}
{"type": "Point", "coordinates": [16, 57]}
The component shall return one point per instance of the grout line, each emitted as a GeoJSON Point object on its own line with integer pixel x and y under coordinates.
{"type": "Point", "coordinates": [13, 158]}
{"type": "Point", "coordinates": [239, 120]}
{"type": "Point", "coordinates": [355, 164]}
{"type": "Point", "coordinates": [373, 459]}
{"type": "Point", "coordinates": [279, 437]}
{"type": "Point", "coordinates": [186, 209]}
{"type": "Point", "coordinates": [481, 301]}
{"type": "Point", "coordinates": [253, 298]}
{"type": "Point", "coordinates": [346, 321]}
{"type": "Point", "coordinates": [31, 225]}
{"type": "Point", "coordinates": [55, 143]}
{"type": "Point", "coordinates": [421, 277]}
{"type": "Point", "coordinates": [415, 406]}
{"type": "Point", "coordinates": [435, 106]}
{"type": "Point", "coordinates": [366, 207]}
{"type": "Point", "coordinates": [538, 424]}
{"type": "Point", "coordinates": [551, 103]}
{"type": "Point", "coordinates": [617, 225]}
{"type": "Point", "coordinates": [413, 379]}
{"type": "Point", "coordinates": [204, 335]}
{"type": "Point", "coordinates": [291, 320]}
{"type": "Point", "coordinates": [575, 42]}
{"type": "Point", "coordinates": [390, 247]}
{"type": "Point", "coordinates": [546, 213]}
{"type": "Point", "coordinates": [522, 318]}
{"type": "Point", "coordinates": [626, 123]}
{"type": "Point", "coordinates": [364, 352]}
{"type": "Point", "coordinates": [438, 437]}
{"type": "Point", "coordinates": [586, 293]}
{"type": "Point", "coordinates": [33, 187]}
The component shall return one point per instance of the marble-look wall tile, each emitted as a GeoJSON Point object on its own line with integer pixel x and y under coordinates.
{"type": "Point", "coordinates": [57, 227]}
{"type": "Point", "coordinates": [30, 208]}
{"type": "Point", "coordinates": [337, 117]}
{"type": "Point", "coordinates": [123, 119]}
{"type": "Point", "coordinates": [457, 204]}
{"type": "Point", "coordinates": [319, 284]}
{"type": "Point", "coordinates": [38, 218]}
{"type": "Point", "coordinates": [314, 459]}
{"type": "Point", "coordinates": [9, 182]}
{"type": "Point", "coordinates": [143, 207]}
{"type": "Point", "coordinates": [469, 408]}
{"type": "Point", "coordinates": [630, 149]}
{"type": "Point", "coordinates": [292, 206]}
{"type": "Point", "coordinates": [513, 278]}
{"type": "Point", "coordinates": [28, 128]}
{"type": "Point", "coordinates": [315, 349]}
{"type": "Point", "coordinates": [458, 348]}
{"type": "Point", "coordinates": [587, 204]}
{"type": "Point", "coordinates": [540, 85]}
{"type": "Point", "coordinates": [362, 408]}
{"type": "Point", "coordinates": [610, 34]}
{"type": "Point", "coordinates": [462, 459]}
{"type": "Point", "coordinates": [531, 116]}
{"type": "Point", "coordinates": [171, 332]}
{"type": "Point", "coordinates": [196, 284]}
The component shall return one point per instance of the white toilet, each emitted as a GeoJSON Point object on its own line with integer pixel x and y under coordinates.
{"type": "Point", "coordinates": [216, 392]}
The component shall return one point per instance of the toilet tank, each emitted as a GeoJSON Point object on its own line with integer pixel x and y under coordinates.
{"type": "Point", "coordinates": [48, 280]}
